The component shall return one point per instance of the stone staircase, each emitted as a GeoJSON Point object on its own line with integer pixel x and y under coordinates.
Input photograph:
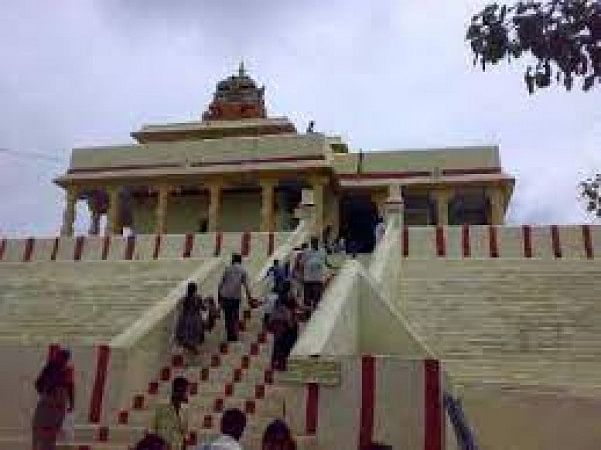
{"type": "Point", "coordinates": [76, 303]}
{"type": "Point", "coordinates": [223, 376]}
{"type": "Point", "coordinates": [83, 302]}
{"type": "Point", "coordinates": [526, 322]}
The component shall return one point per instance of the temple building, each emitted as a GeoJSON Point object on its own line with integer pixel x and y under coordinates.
{"type": "Point", "coordinates": [238, 169]}
{"type": "Point", "coordinates": [452, 329]}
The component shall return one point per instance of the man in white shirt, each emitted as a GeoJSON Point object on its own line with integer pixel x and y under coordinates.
{"type": "Point", "coordinates": [314, 267]}
{"type": "Point", "coordinates": [233, 280]}
{"type": "Point", "coordinates": [233, 422]}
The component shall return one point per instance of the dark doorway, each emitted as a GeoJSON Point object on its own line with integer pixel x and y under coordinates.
{"type": "Point", "coordinates": [358, 216]}
{"type": "Point", "coordinates": [288, 197]}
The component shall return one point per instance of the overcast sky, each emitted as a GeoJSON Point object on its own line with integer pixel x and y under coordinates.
{"type": "Point", "coordinates": [383, 74]}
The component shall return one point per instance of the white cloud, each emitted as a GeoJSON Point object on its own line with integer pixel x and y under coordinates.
{"type": "Point", "coordinates": [382, 74]}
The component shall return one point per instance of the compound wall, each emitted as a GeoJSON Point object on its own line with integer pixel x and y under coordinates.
{"type": "Point", "coordinates": [139, 247]}
{"type": "Point", "coordinates": [491, 241]}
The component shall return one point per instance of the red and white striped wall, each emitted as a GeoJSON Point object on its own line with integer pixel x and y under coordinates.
{"type": "Point", "coordinates": [17, 388]}
{"type": "Point", "coordinates": [490, 241]}
{"type": "Point", "coordinates": [140, 247]}
{"type": "Point", "coordinates": [90, 381]}
{"type": "Point", "coordinates": [385, 400]}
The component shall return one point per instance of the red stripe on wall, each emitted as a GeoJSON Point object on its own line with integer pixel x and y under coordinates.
{"type": "Point", "coordinates": [245, 244]}
{"type": "Point", "coordinates": [28, 252]}
{"type": "Point", "coordinates": [312, 411]}
{"type": "Point", "coordinates": [54, 249]}
{"type": "Point", "coordinates": [2, 248]}
{"type": "Point", "coordinates": [276, 159]}
{"type": "Point", "coordinates": [271, 244]}
{"type": "Point", "coordinates": [106, 245]}
{"type": "Point", "coordinates": [124, 167]}
{"type": "Point", "coordinates": [493, 243]}
{"type": "Point", "coordinates": [218, 242]}
{"type": "Point", "coordinates": [368, 393]}
{"type": "Point", "coordinates": [78, 250]}
{"type": "Point", "coordinates": [465, 241]}
{"type": "Point", "coordinates": [555, 241]}
{"type": "Point", "coordinates": [432, 406]}
{"type": "Point", "coordinates": [157, 246]}
{"type": "Point", "coordinates": [199, 164]}
{"type": "Point", "coordinates": [102, 363]}
{"type": "Point", "coordinates": [588, 241]}
{"type": "Point", "coordinates": [405, 241]}
{"type": "Point", "coordinates": [527, 239]}
{"type": "Point", "coordinates": [441, 247]}
{"type": "Point", "coordinates": [188, 245]}
{"type": "Point", "coordinates": [420, 173]}
{"type": "Point", "coordinates": [130, 247]}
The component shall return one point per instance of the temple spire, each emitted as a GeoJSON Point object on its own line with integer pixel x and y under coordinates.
{"type": "Point", "coordinates": [237, 97]}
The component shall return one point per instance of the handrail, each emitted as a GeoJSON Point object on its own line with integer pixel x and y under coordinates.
{"type": "Point", "coordinates": [318, 331]}
{"type": "Point", "coordinates": [384, 273]}
{"type": "Point", "coordinates": [282, 253]}
{"type": "Point", "coordinates": [159, 311]}
{"type": "Point", "coordinates": [464, 434]}
{"type": "Point", "coordinates": [381, 268]}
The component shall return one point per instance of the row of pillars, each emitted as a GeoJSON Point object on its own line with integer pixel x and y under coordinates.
{"type": "Point", "coordinates": [495, 196]}
{"type": "Point", "coordinates": [214, 210]}
{"type": "Point", "coordinates": [112, 221]}
{"type": "Point", "coordinates": [443, 197]}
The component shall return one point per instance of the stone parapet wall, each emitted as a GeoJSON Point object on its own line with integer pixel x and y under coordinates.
{"type": "Point", "coordinates": [527, 419]}
{"type": "Point", "coordinates": [337, 390]}
{"type": "Point", "coordinates": [378, 399]}
{"type": "Point", "coordinates": [18, 383]}
{"type": "Point", "coordinates": [492, 241]}
{"type": "Point", "coordinates": [140, 247]}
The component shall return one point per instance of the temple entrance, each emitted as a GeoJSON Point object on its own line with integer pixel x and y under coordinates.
{"type": "Point", "coordinates": [358, 216]}
{"type": "Point", "coordinates": [288, 197]}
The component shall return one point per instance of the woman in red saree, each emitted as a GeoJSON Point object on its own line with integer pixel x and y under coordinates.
{"type": "Point", "coordinates": [55, 389]}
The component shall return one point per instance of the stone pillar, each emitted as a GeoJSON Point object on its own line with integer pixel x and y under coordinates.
{"type": "Point", "coordinates": [379, 198]}
{"type": "Point", "coordinates": [497, 205]}
{"type": "Point", "coordinates": [161, 211]}
{"type": "Point", "coordinates": [70, 211]}
{"type": "Point", "coordinates": [394, 207]}
{"type": "Point", "coordinates": [335, 215]}
{"type": "Point", "coordinates": [214, 206]}
{"type": "Point", "coordinates": [112, 217]}
{"type": "Point", "coordinates": [94, 222]}
{"type": "Point", "coordinates": [305, 209]}
{"type": "Point", "coordinates": [267, 205]}
{"type": "Point", "coordinates": [442, 205]}
{"type": "Point", "coordinates": [317, 185]}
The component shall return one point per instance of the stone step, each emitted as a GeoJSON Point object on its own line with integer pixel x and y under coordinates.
{"type": "Point", "coordinates": [207, 405]}
{"type": "Point", "coordinates": [114, 433]}
{"type": "Point", "coordinates": [268, 406]}
{"type": "Point", "coordinates": [476, 314]}
{"type": "Point", "coordinates": [249, 441]}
